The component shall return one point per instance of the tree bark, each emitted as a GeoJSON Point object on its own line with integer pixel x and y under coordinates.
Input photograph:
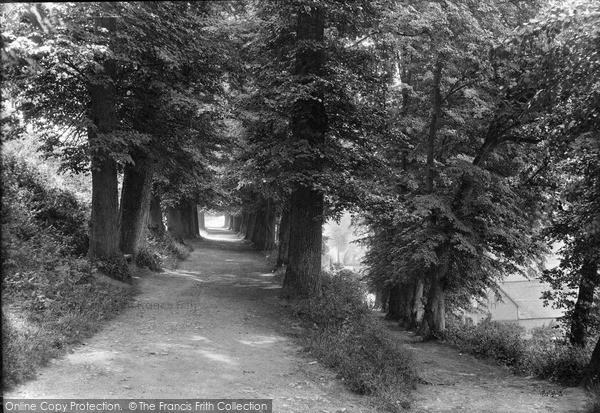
{"type": "Point", "coordinates": [258, 235]}
{"type": "Point", "coordinates": [237, 223]}
{"type": "Point", "coordinates": [416, 304]}
{"type": "Point", "coordinates": [435, 308]}
{"type": "Point", "coordinates": [264, 232]}
{"type": "Point", "coordinates": [195, 219]}
{"type": "Point", "coordinates": [244, 226]}
{"type": "Point", "coordinates": [251, 224]}
{"type": "Point", "coordinates": [582, 318]}
{"type": "Point", "coordinates": [408, 291]}
{"type": "Point", "coordinates": [394, 306]}
{"type": "Point", "coordinates": [591, 377]}
{"type": "Point", "coordinates": [435, 313]}
{"type": "Point", "coordinates": [303, 273]}
{"type": "Point", "coordinates": [135, 203]}
{"type": "Point", "coordinates": [271, 229]}
{"type": "Point", "coordinates": [309, 125]}
{"type": "Point", "coordinates": [156, 223]}
{"type": "Point", "coordinates": [104, 220]}
{"type": "Point", "coordinates": [284, 239]}
{"type": "Point", "coordinates": [175, 222]}
{"type": "Point", "coordinates": [190, 219]}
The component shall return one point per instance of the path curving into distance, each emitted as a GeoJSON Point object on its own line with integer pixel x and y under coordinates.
{"type": "Point", "coordinates": [214, 328]}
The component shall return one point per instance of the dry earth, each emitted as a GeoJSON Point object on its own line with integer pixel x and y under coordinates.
{"type": "Point", "coordinates": [214, 328]}
{"type": "Point", "coordinates": [455, 382]}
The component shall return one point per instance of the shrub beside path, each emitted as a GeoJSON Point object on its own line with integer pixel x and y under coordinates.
{"type": "Point", "coordinates": [214, 328]}
{"type": "Point", "coordinates": [452, 381]}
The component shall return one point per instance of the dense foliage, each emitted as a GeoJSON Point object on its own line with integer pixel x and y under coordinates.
{"type": "Point", "coordinates": [542, 355]}
{"type": "Point", "coordinates": [463, 134]}
{"type": "Point", "coordinates": [50, 300]}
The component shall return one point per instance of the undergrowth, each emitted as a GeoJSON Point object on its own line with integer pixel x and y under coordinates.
{"type": "Point", "coordinates": [344, 335]}
{"type": "Point", "coordinates": [541, 355]}
{"type": "Point", "coordinates": [594, 399]}
{"type": "Point", "coordinates": [50, 299]}
{"type": "Point", "coordinates": [161, 250]}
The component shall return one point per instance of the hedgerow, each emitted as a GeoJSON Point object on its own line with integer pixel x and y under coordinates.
{"type": "Point", "coordinates": [344, 335]}
{"type": "Point", "coordinates": [543, 355]}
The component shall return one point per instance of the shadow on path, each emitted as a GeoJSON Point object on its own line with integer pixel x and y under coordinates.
{"type": "Point", "coordinates": [212, 328]}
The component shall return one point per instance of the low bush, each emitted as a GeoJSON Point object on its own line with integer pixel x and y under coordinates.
{"type": "Point", "coordinates": [555, 360]}
{"type": "Point", "coordinates": [148, 257]}
{"type": "Point", "coordinates": [542, 355]}
{"type": "Point", "coordinates": [161, 250]}
{"type": "Point", "coordinates": [489, 339]}
{"type": "Point", "coordinates": [50, 299]}
{"type": "Point", "coordinates": [31, 204]}
{"type": "Point", "coordinates": [344, 335]}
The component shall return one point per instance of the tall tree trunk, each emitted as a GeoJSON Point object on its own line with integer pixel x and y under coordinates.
{"type": "Point", "coordinates": [237, 223]}
{"type": "Point", "coordinates": [435, 308]}
{"type": "Point", "coordinates": [394, 306]}
{"type": "Point", "coordinates": [309, 125]}
{"type": "Point", "coordinates": [385, 299]}
{"type": "Point", "coordinates": [284, 239]}
{"type": "Point", "coordinates": [135, 203]}
{"type": "Point", "coordinates": [408, 292]}
{"type": "Point", "coordinates": [188, 216]}
{"type": "Point", "coordinates": [227, 222]}
{"type": "Point", "coordinates": [271, 229]}
{"type": "Point", "coordinates": [582, 318]}
{"type": "Point", "coordinates": [435, 314]}
{"type": "Point", "coordinates": [156, 223]}
{"type": "Point", "coordinates": [104, 220]}
{"type": "Point", "coordinates": [175, 222]}
{"type": "Point", "coordinates": [258, 235]}
{"type": "Point", "coordinates": [591, 379]}
{"type": "Point", "coordinates": [416, 304]}
{"type": "Point", "coordinates": [264, 231]}
{"type": "Point", "coordinates": [303, 273]}
{"type": "Point", "coordinates": [196, 221]}
{"type": "Point", "coordinates": [245, 221]}
{"type": "Point", "coordinates": [251, 224]}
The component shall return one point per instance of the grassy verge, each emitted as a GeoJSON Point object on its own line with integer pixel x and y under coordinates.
{"type": "Point", "coordinates": [50, 318]}
{"type": "Point", "coordinates": [50, 299]}
{"type": "Point", "coordinates": [541, 355]}
{"type": "Point", "coordinates": [343, 335]}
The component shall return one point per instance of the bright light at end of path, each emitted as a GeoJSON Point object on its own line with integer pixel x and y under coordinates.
{"type": "Point", "coordinates": [214, 221]}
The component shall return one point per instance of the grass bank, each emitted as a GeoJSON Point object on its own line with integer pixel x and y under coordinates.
{"type": "Point", "coordinates": [342, 333]}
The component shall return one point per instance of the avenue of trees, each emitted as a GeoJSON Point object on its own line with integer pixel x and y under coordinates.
{"type": "Point", "coordinates": [464, 135]}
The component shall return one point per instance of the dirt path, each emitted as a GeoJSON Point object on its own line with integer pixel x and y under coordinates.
{"type": "Point", "coordinates": [210, 329]}
{"type": "Point", "coordinates": [213, 329]}
{"type": "Point", "coordinates": [456, 382]}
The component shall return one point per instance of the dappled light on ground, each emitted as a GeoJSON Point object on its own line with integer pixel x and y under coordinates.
{"type": "Point", "coordinates": [213, 356]}
{"type": "Point", "coordinates": [262, 340]}
{"type": "Point", "coordinates": [214, 327]}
